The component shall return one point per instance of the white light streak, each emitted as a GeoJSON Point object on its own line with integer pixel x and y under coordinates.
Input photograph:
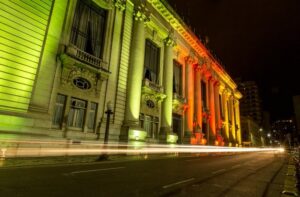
{"type": "Point", "coordinates": [62, 148]}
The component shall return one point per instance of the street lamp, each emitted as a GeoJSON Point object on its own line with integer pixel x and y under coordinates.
{"type": "Point", "coordinates": [108, 112]}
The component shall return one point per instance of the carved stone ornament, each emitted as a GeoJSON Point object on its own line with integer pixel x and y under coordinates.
{"type": "Point", "coordinates": [202, 61]}
{"type": "Point", "coordinates": [120, 4]}
{"type": "Point", "coordinates": [152, 96]}
{"type": "Point", "coordinates": [79, 77]}
{"type": "Point", "coordinates": [169, 41]}
{"type": "Point", "coordinates": [179, 104]}
{"type": "Point", "coordinates": [189, 60]}
{"type": "Point", "coordinates": [141, 13]}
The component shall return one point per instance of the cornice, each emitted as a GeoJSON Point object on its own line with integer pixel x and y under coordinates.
{"type": "Point", "coordinates": [162, 7]}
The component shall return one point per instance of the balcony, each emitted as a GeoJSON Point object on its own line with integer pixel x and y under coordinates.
{"type": "Point", "coordinates": [87, 58]}
{"type": "Point", "coordinates": [153, 89]}
{"type": "Point", "coordinates": [179, 103]}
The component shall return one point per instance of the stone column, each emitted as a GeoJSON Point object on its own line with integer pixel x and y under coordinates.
{"type": "Point", "coordinates": [225, 104]}
{"type": "Point", "coordinates": [217, 105]}
{"type": "Point", "coordinates": [238, 121]}
{"type": "Point", "coordinates": [232, 119]}
{"type": "Point", "coordinates": [166, 113]}
{"type": "Point", "coordinates": [189, 95]}
{"type": "Point", "coordinates": [136, 67]}
{"type": "Point", "coordinates": [212, 120]}
{"type": "Point", "coordinates": [198, 99]}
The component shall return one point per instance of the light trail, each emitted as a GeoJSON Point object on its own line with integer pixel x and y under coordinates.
{"type": "Point", "coordinates": [54, 148]}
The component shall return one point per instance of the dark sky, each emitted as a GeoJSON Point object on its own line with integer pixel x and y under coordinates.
{"type": "Point", "coordinates": [255, 40]}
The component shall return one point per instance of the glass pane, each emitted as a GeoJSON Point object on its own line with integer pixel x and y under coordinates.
{"type": "Point", "coordinates": [71, 117]}
{"type": "Point", "coordinates": [79, 118]}
{"type": "Point", "coordinates": [88, 28]}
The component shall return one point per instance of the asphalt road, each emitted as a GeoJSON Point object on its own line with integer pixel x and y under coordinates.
{"type": "Point", "coordinates": [248, 174]}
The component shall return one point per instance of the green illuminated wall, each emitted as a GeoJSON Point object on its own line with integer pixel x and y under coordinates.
{"type": "Point", "coordinates": [23, 26]}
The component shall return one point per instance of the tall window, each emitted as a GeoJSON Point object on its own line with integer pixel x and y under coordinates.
{"type": "Point", "coordinates": [177, 78]}
{"type": "Point", "coordinates": [77, 113]}
{"type": "Point", "coordinates": [203, 94]}
{"type": "Point", "coordinates": [88, 28]}
{"type": "Point", "coordinates": [59, 110]}
{"type": "Point", "coordinates": [151, 63]}
{"type": "Point", "coordinates": [92, 116]}
{"type": "Point", "coordinates": [150, 124]}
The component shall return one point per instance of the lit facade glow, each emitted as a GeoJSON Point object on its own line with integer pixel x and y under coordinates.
{"type": "Point", "coordinates": [164, 85]}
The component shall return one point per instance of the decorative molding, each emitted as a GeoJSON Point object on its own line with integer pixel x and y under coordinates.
{"type": "Point", "coordinates": [179, 104]}
{"type": "Point", "coordinates": [189, 60]}
{"type": "Point", "coordinates": [169, 41]}
{"type": "Point", "coordinates": [141, 13]}
{"type": "Point", "coordinates": [73, 68]}
{"type": "Point", "coordinates": [154, 93]}
{"type": "Point", "coordinates": [120, 4]}
{"type": "Point", "coordinates": [183, 30]}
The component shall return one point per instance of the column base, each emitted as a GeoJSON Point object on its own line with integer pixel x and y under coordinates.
{"type": "Point", "coordinates": [132, 133]}
{"type": "Point", "coordinates": [187, 137]}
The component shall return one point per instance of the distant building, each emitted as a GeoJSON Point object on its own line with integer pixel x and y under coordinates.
{"type": "Point", "coordinates": [296, 101]}
{"type": "Point", "coordinates": [250, 104]}
{"type": "Point", "coordinates": [283, 131]}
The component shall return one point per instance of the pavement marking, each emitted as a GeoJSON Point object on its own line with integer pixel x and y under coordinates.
{"type": "Point", "coordinates": [236, 166]}
{"type": "Point", "coordinates": [177, 183]}
{"type": "Point", "coordinates": [96, 170]}
{"type": "Point", "coordinates": [219, 171]}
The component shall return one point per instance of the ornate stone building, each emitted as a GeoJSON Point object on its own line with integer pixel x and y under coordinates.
{"type": "Point", "coordinates": [63, 61]}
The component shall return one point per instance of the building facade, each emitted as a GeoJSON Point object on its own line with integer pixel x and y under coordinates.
{"type": "Point", "coordinates": [284, 132]}
{"type": "Point", "coordinates": [64, 61]}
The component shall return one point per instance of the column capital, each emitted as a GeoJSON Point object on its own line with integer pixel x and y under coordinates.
{"type": "Point", "coordinates": [141, 13]}
{"type": "Point", "coordinates": [198, 67]}
{"type": "Point", "coordinates": [170, 41]}
{"type": "Point", "coordinates": [120, 4]}
{"type": "Point", "coordinates": [202, 61]}
{"type": "Point", "coordinates": [221, 87]}
{"type": "Point", "coordinates": [226, 92]}
{"type": "Point", "coordinates": [189, 60]}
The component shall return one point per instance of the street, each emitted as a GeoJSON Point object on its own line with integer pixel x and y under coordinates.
{"type": "Point", "coordinates": [246, 174]}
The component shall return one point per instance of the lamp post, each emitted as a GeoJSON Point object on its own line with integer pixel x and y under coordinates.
{"type": "Point", "coordinates": [108, 113]}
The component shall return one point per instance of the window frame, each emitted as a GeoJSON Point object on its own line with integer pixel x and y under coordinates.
{"type": "Point", "coordinates": [155, 51]}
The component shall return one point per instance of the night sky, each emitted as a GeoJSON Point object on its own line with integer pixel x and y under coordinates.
{"type": "Point", "coordinates": [255, 40]}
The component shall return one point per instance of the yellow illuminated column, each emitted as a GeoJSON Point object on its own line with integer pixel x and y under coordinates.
{"type": "Point", "coordinates": [198, 96]}
{"type": "Point", "coordinates": [232, 119]}
{"type": "Point", "coordinates": [166, 115]}
{"type": "Point", "coordinates": [136, 67]}
{"type": "Point", "coordinates": [212, 108]}
{"type": "Point", "coordinates": [238, 121]}
{"type": "Point", "coordinates": [225, 104]}
{"type": "Point", "coordinates": [189, 94]}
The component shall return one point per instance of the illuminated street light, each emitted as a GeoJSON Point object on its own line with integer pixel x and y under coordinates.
{"type": "Point", "coordinates": [108, 112]}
